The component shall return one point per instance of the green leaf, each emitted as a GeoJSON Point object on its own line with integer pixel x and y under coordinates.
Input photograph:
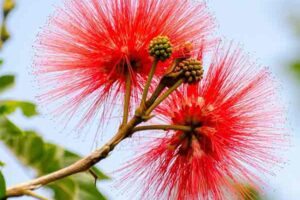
{"type": "Point", "coordinates": [6, 82]}
{"type": "Point", "coordinates": [8, 128]}
{"type": "Point", "coordinates": [2, 164]}
{"type": "Point", "coordinates": [100, 174]}
{"type": "Point", "coordinates": [77, 188]}
{"type": "Point", "coordinates": [248, 192]}
{"type": "Point", "coordinates": [2, 186]}
{"type": "Point", "coordinates": [295, 67]}
{"type": "Point", "coordinates": [9, 106]}
{"type": "Point", "coordinates": [46, 157]}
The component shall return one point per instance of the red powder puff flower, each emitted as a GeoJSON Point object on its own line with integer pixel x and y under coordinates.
{"type": "Point", "coordinates": [87, 49]}
{"type": "Point", "coordinates": [234, 127]}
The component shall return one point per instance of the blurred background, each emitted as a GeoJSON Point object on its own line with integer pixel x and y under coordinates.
{"type": "Point", "coordinates": [268, 29]}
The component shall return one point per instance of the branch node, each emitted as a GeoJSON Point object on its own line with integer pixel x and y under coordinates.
{"type": "Point", "coordinates": [147, 117]}
{"type": "Point", "coordinates": [32, 194]}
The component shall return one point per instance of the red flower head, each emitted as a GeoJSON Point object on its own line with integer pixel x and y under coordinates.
{"type": "Point", "coordinates": [87, 49]}
{"type": "Point", "coordinates": [232, 128]}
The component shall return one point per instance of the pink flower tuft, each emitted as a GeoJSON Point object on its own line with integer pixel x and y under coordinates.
{"type": "Point", "coordinates": [88, 47]}
{"type": "Point", "coordinates": [237, 130]}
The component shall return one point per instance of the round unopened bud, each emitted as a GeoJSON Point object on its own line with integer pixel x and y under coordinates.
{"type": "Point", "coordinates": [160, 48]}
{"type": "Point", "coordinates": [191, 69]}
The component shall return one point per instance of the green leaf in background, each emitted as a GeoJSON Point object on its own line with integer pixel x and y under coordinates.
{"type": "Point", "coordinates": [2, 164]}
{"type": "Point", "coordinates": [45, 158]}
{"type": "Point", "coordinates": [295, 67]}
{"type": "Point", "coordinates": [8, 128]}
{"type": "Point", "coordinates": [9, 106]}
{"type": "Point", "coordinates": [78, 187]}
{"type": "Point", "coordinates": [294, 20]}
{"type": "Point", "coordinates": [248, 192]}
{"type": "Point", "coordinates": [6, 82]}
{"type": "Point", "coordinates": [2, 186]}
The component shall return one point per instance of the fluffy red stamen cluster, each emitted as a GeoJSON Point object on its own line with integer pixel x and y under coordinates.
{"type": "Point", "coordinates": [195, 114]}
{"type": "Point", "coordinates": [236, 132]}
{"type": "Point", "coordinates": [89, 47]}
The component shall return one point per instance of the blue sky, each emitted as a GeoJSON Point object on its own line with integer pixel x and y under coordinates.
{"type": "Point", "coordinates": [259, 25]}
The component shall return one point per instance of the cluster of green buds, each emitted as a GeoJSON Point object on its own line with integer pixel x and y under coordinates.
{"type": "Point", "coordinates": [185, 67]}
{"type": "Point", "coordinates": [160, 48]}
{"type": "Point", "coordinates": [191, 69]}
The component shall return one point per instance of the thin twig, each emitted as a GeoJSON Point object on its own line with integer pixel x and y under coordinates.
{"type": "Point", "coordinates": [32, 194]}
{"type": "Point", "coordinates": [81, 165]}
{"type": "Point", "coordinates": [127, 99]}
{"type": "Point", "coordinates": [163, 97]}
{"type": "Point", "coordinates": [161, 86]}
{"type": "Point", "coordinates": [89, 161]}
{"type": "Point", "coordinates": [94, 175]}
{"type": "Point", "coordinates": [148, 83]}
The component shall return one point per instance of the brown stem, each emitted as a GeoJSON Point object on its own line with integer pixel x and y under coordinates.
{"type": "Point", "coordinates": [34, 195]}
{"type": "Point", "coordinates": [127, 99]}
{"type": "Point", "coordinates": [161, 86]}
{"type": "Point", "coordinates": [148, 83]}
{"type": "Point", "coordinates": [164, 82]}
{"type": "Point", "coordinates": [94, 175]}
{"type": "Point", "coordinates": [82, 165]}
{"type": "Point", "coordinates": [163, 97]}
{"type": "Point", "coordinates": [89, 161]}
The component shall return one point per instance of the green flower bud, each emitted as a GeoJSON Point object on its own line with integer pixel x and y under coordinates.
{"type": "Point", "coordinates": [160, 48]}
{"type": "Point", "coordinates": [191, 69]}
